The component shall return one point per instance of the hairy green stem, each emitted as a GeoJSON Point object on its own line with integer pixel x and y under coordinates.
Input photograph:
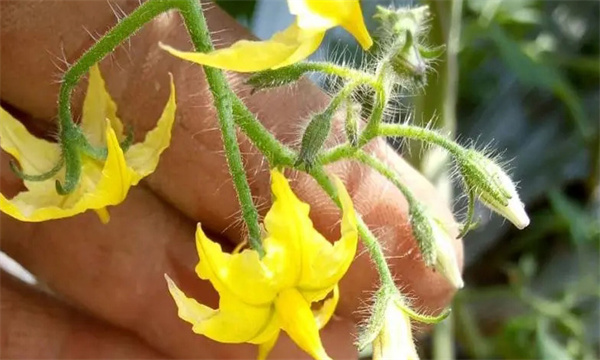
{"type": "Point", "coordinates": [368, 239]}
{"type": "Point", "coordinates": [222, 96]}
{"type": "Point", "coordinates": [336, 153]}
{"type": "Point", "coordinates": [388, 173]}
{"type": "Point", "coordinates": [70, 138]}
{"type": "Point", "coordinates": [381, 100]}
{"type": "Point", "coordinates": [344, 72]}
{"type": "Point", "coordinates": [421, 134]}
{"type": "Point", "coordinates": [276, 153]}
{"type": "Point", "coordinates": [346, 150]}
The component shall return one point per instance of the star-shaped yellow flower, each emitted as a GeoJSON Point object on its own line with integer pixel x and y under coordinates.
{"type": "Point", "coordinates": [296, 43]}
{"type": "Point", "coordinates": [102, 183]}
{"type": "Point", "coordinates": [259, 297]}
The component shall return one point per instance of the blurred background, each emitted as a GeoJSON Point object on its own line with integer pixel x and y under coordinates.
{"type": "Point", "coordinates": [521, 76]}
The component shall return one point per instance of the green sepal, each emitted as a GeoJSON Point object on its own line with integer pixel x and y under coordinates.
{"type": "Point", "coordinates": [372, 327]}
{"type": "Point", "coordinates": [426, 319]}
{"type": "Point", "coordinates": [472, 166]}
{"type": "Point", "coordinates": [431, 53]}
{"type": "Point", "coordinates": [423, 233]}
{"type": "Point", "coordinates": [40, 177]}
{"type": "Point", "coordinates": [469, 223]}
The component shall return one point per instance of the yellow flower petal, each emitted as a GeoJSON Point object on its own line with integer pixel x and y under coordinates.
{"type": "Point", "coordinates": [116, 176]}
{"type": "Point", "coordinates": [318, 276]}
{"type": "Point", "coordinates": [233, 322]}
{"type": "Point", "coordinates": [287, 225]}
{"type": "Point", "coordinates": [307, 18]}
{"type": "Point", "coordinates": [99, 187]}
{"type": "Point", "coordinates": [325, 14]}
{"type": "Point", "coordinates": [98, 106]}
{"type": "Point", "coordinates": [307, 42]}
{"type": "Point", "coordinates": [143, 157]}
{"type": "Point", "coordinates": [103, 215]}
{"type": "Point", "coordinates": [239, 275]}
{"type": "Point", "coordinates": [324, 314]}
{"type": "Point", "coordinates": [284, 48]}
{"type": "Point", "coordinates": [298, 322]}
{"type": "Point", "coordinates": [265, 348]}
{"type": "Point", "coordinates": [36, 156]}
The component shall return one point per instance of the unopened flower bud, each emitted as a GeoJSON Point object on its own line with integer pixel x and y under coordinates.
{"type": "Point", "coordinates": [397, 21]}
{"type": "Point", "coordinates": [408, 61]}
{"type": "Point", "coordinates": [395, 340]}
{"type": "Point", "coordinates": [314, 137]}
{"type": "Point", "coordinates": [279, 77]}
{"type": "Point", "coordinates": [435, 245]}
{"type": "Point", "coordinates": [407, 57]}
{"type": "Point", "coordinates": [446, 261]}
{"type": "Point", "coordinates": [493, 186]}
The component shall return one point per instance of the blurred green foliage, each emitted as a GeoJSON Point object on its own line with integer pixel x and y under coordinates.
{"type": "Point", "coordinates": [529, 81]}
{"type": "Point", "coordinates": [529, 76]}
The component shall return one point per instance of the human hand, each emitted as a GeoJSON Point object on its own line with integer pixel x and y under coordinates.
{"type": "Point", "coordinates": [109, 297]}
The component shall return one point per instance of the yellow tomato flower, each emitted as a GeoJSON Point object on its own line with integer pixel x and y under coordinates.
{"type": "Point", "coordinates": [102, 183]}
{"type": "Point", "coordinates": [296, 43]}
{"type": "Point", "coordinates": [259, 297]}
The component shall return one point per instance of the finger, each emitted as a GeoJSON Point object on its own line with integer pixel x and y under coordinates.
{"type": "Point", "coordinates": [116, 272]}
{"type": "Point", "coordinates": [37, 326]}
{"type": "Point", "coordinates": [195, 163]}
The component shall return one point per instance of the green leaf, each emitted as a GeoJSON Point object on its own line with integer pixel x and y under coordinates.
{"type": "Point", "coordinates": [537, 74]}
{"type": "Point", "coordinates": [582, 227]}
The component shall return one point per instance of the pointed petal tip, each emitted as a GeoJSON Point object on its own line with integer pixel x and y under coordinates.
{"type": "Point", "coordinates": [459, 283]}
{"type": "Point", "coordinates": [521, 221]}
{"type": "Point", "coordinates": [516, 214]}
{"type": "Point", "coordinates": [366, 43]}
{"type": "Point", "coordinates": [453, 275]}
{"type": "Point", "coordinates": [170, 283]}
{"type": "Point", "coordinates": [103, 215]}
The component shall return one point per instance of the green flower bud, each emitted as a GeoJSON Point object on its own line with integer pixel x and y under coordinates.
{"type": "Point", "coordinates": [398, 21]}
{"type": "Point", "coordinates": [407, 61]}
{"type": "Point", "coordinates": [395, 340]}
{"type": "Point", "coordinates": [279, 77]}
{"type": "Point", "coordinates": [435, 245]}
{"type": "Point", "coordinates": [314, 137]}
{"type": "Point", "coordinates": [493, 186]}
{"type": "Point", "coordinates": [406, 27]}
